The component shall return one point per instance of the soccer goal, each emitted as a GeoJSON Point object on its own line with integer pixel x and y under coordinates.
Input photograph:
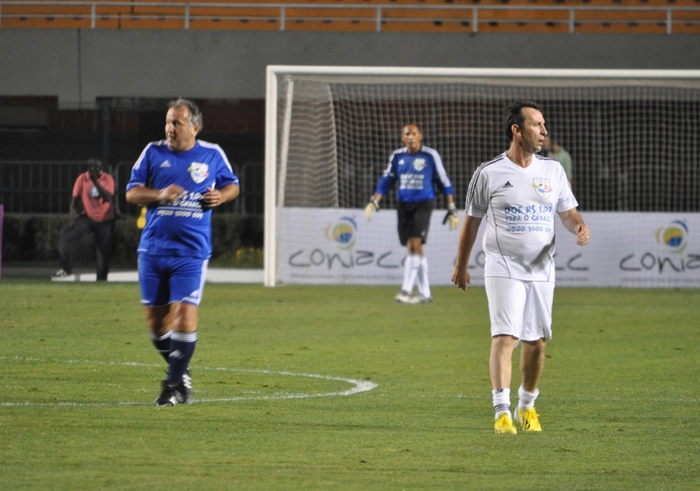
{"type": "Point", "coordinates": [633, 135]}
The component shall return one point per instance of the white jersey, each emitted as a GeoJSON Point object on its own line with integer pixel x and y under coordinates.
{"type": "Point", "coordinates": [520, 207]}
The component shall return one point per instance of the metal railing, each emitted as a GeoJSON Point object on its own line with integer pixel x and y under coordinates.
{"type": "Point", "coordinates": [38, 186]}
{"type": "Point", "coordinates": [473, 18]}
{"type": "Point", "coordinates": [46, 186]}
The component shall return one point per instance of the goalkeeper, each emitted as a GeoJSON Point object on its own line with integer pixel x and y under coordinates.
{"type": "Point", "coordinates": [416, 168]}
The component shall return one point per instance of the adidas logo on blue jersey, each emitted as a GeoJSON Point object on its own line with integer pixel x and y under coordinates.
{"type": "Point", "coordinates": [165, 164]}
{"type": "Point", "coordinates": [507, 185]}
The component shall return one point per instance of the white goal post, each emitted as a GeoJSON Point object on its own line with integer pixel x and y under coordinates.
{"type": "Point", "coordinates": [634, 136]}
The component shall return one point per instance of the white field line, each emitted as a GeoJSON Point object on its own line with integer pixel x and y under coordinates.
{"type": "Point", "coordinates": [486, 396]}
{"type": "Point", "coordinates": [359, 386]}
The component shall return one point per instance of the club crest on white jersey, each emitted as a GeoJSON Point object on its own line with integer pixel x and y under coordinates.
{"type": "Point", "coordinates": [198, 172]}
{"type": "Point", "coordinates": [419, 164]}
{"type": "Point", "coordinates": [542, 186]}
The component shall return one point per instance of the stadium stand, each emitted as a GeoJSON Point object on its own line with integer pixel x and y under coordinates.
{"type": "Point", "coordinates": [486, 16]}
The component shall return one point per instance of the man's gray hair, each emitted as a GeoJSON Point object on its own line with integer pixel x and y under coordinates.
{"type": "Point", "coordinates": [195, 113]}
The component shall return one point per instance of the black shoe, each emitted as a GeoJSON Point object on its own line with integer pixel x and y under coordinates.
{"type": "Point", "coordinates": [167, 396]}
{"type": "Point", "coordinates": [183, 392]}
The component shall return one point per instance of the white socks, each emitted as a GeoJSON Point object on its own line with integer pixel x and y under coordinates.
{"type": "Point", "coordinates": [410, 272]}
{"type": "Point", "coordinates": [527, 399]}
{"type": "Point", "coordinates": [501, 401]}
{"type": "Point", "coordinates": [423, 283]}
{"type": "Point", "coordinates": [416, 270]}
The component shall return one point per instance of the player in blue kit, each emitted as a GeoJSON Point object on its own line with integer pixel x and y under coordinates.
{"type": "Point", "coordinates": [179, 179]}
{"type": "Point", "coordinates": [416, 168]}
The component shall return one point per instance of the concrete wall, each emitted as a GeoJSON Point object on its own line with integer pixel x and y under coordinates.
{"type": "Point", "coordinates": [80, 65]}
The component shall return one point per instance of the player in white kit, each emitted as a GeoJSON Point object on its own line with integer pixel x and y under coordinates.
{"type": "Point", "coordinates": [518, 193]}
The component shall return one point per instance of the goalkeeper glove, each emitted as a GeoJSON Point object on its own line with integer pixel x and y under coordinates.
{"type": "Point", "coordinates": [371, 207]}
{"type": "Point", "coordinates": [452, 216]}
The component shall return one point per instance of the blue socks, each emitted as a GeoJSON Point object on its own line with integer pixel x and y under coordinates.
{"type": "Point", "coordinates": [181, 351]}
{"type": "Point", "coordinates": [162, 344]}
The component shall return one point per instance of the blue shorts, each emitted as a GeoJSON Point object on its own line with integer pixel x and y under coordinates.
{"type": "Point", "coordinates": [168, 279]}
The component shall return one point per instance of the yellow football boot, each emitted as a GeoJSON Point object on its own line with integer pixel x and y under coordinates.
{"type": "Point", "coordinates": [528, 419]}
{"type": "Point", "coordinates": [504, 425]}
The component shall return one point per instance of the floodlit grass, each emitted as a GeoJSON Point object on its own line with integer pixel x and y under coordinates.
{"type": "Point", "coordinates": [619, 404]}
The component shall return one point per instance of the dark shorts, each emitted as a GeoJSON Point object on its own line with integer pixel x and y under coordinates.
{"type": "Point", "coordinates": [414, 220]}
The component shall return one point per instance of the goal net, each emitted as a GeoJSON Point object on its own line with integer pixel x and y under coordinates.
{"type": "Point", "coordinates": [634, 138]}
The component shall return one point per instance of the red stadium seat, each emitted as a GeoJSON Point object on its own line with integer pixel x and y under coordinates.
{"type": "Point", "coordinates": [396, 15]}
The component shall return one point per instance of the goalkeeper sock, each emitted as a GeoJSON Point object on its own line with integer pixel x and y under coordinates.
{"type": "Point", "coordinates": [181, 351]}
{"type": "Point", "coordinates": [410, 272]}
{"type": "Point", "coordinates": [501, 401]}
{"type": "Point", "coordinates": [526, 399]}
{"type": "Point", "coordinates": [162, 344]}
{"type": "Point", "coordinates": [423, 283]}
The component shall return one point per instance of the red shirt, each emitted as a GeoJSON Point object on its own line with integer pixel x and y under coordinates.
{"type": "Point", "coordinates": [95, 207]}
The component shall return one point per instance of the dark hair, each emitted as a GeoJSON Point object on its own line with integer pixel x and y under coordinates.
{"type": "Point", "coordinates": [93, 161]}
{"type": "Point", "coordinates": [514, 115]}
{"type": "Point", "coordinates": [412, 124]}
{"type": "Point", "coordinates": [195, 113]}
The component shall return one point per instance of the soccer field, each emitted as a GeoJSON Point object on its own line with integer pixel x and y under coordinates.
{"type": "Point", "coordinates": [342, 388]}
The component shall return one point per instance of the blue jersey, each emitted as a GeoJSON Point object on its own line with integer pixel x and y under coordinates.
{"type": "Point", "coordinates": [182, 228]}
{"type": "Point", "coordinates": [416, 173]}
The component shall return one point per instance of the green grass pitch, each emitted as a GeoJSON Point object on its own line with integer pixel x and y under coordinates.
{"type": "Point", "coordinates": [274, 374]}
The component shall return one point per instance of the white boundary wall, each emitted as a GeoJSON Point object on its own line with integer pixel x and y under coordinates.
{"type": "Point", "coordinates": [667, 256]}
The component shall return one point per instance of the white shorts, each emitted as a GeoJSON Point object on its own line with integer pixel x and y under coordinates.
{"type": "Point", "coordinates": [522, 309]}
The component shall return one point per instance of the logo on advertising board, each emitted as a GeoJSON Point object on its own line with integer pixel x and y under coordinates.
{"type": "Point", "coordinates": [673, 240]}
{"type": "Point", "coordinates": [542, 186]}
{"type": "Point", "coordinates": [674, 237]}
{"type": "Point", "coordinates": [323, 257]}
{"type": "Point", "coordinates": [343, 233]}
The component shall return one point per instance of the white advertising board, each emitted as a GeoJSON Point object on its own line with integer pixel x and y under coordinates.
{"type": "Point", "coordinates": [338, 246]}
